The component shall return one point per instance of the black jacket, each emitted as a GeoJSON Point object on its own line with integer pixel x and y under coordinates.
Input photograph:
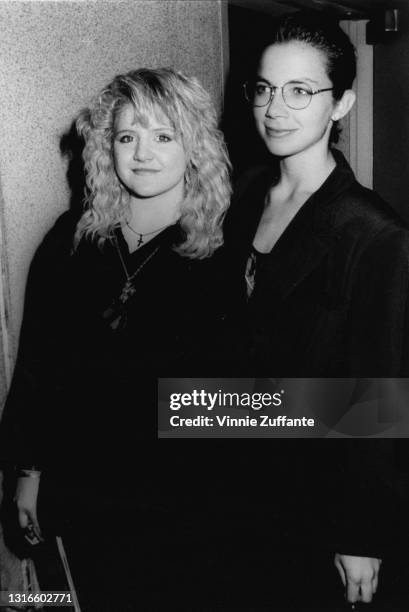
{"type": "Point", "coordinates": [331, 299]}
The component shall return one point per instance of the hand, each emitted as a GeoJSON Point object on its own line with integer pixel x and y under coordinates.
{"type": "Point", "coordinates": [26, 501]}
{"type": "Point", "coordinates": [359, 576]}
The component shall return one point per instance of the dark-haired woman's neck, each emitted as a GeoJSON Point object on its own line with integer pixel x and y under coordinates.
{"type": "Point", "coordinates": [306, 171]}
{"type": "Point", "coordinates": [299, 179]}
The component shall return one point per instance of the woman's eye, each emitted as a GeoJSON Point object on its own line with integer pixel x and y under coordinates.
{"type": "Point", "coordinates": [126, 138]}
{"type": "Point", "coordinates": [300, 91]}
{"type": "Point", "coordinates": [261, 89]}
{"type": "Point", "coordinates": [163, 138]}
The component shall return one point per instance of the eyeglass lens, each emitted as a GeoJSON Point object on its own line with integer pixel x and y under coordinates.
{"type": "Point", "coordinates": [295, 96]}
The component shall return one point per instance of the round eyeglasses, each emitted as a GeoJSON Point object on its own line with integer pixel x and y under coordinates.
{"type": "Point", "coordinates": [295, 95]}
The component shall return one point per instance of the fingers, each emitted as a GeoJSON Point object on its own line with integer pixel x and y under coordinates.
{"type": "Point", "coordinates": [366, 591]}
{"type": "Point", "coordinates": [32, 534]}
{"type": "Point", "coordinates": [363, 588]}
{"type": "Point", "coordinates": [375, 583]}
{"type": "Point", "coordinates": [23, 519]}
{"type": "Point", "coordinates": [26, 500]}
{"type": "Point", "coordinates": [353, 591]}
{"type": "Point", "coordinates": [341, 570]}
{"type": "Point", "coordinates": [360, 592]}
{"type": "Point", "coordinates": [26, 515]}
{"type": "Point", "coordinates": [29, 523]}
{"type": "Point", "coordinates": [359, 575]}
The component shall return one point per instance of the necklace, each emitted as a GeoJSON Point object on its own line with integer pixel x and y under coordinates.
{"type": "Point", "coordinates": [141, 236]}
{"type": "Point", "coordinates": [129, 288]}
{"type": "Point", "coordinates": [116, 313]}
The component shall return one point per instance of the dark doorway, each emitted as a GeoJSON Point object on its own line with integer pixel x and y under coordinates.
{"type": "Point", "coordinates": [249, 32]}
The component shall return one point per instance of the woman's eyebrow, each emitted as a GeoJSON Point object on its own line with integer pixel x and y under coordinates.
{"type": "Point", "coordinates": [303, 79]}
{"type": "Point", "coordinates": [260, 78]}
{"type": "Point", "coordinates": [155, 129]}
{"type": "Point", "coordinates": [164, 127]}
{"type": "Point", "coordinates": [297, 80]}
{"type": "Point", "coordinates": [123, 130]}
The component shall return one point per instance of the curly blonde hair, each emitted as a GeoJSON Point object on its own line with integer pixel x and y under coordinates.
{"type": "Point", "coordinates": [191, 113]}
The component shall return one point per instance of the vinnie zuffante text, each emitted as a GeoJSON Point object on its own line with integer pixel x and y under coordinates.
{"type": "Point", "coordinates": [220, 399]}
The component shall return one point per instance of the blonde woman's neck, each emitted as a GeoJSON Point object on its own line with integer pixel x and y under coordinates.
{"type": "Point", "coordinates": [148, 214]}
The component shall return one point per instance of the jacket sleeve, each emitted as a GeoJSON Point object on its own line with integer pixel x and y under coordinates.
{"type": "Point", "coordinates": [365, 505]}
{"type": "Point", "coordinates": [370, 508]}
{"type": "Point", "coordinates": [379, 320]}
{"type": "Point", "coordinates": [24, 423]}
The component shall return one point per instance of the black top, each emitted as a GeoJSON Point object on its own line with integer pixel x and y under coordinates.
{"type": "Point", "coordinates": [84, 388]}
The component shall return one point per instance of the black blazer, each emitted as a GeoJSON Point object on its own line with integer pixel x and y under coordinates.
{"type": "Point", "coordinates": [331, 299]}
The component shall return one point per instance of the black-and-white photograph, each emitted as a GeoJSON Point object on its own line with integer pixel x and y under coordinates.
{"type": "Point", "coordinates": [204, 233]}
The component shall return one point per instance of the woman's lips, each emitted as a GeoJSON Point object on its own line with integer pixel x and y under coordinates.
{"type": "Point", "coordinates": [278, 133]}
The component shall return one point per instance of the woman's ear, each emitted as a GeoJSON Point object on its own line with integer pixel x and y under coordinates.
{"type": "Point", "coordinates": [344, 105]}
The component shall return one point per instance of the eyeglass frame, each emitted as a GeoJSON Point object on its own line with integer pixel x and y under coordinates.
{"type": "Point", "coordinates": [273, 89]}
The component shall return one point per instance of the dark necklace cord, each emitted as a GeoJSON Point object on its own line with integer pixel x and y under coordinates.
{"type": "Point", "coordinates": [141, 235]}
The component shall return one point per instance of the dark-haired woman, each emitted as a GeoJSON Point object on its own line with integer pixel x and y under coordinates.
{"type": "Point", "coordinates": [323, 261]}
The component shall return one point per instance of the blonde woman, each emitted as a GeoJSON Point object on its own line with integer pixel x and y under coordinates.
{"type": "Point", "coordinates": [113, 301]}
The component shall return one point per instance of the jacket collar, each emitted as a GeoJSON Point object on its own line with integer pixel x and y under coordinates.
{"type": "Point", "coordinates": [339, 181]}
{"type": "Point", "coordinates": [310, 234]}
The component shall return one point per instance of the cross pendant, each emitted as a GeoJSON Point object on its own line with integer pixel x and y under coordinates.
{"type": "Point", "coordinates": [127, 291]}
{"type": "Point", "coordinates": [140, 241]}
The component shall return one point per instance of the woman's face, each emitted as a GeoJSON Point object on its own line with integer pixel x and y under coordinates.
{"type": "Point", "coordinates": [285, 131]}
{"type": "Point", "coordinates": [149, 156]}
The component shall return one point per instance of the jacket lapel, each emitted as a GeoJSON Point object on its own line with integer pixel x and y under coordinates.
{"type": "Point", "coordinates": [296, 255]}
{"type": "Point", "coordinates": [300, 264]}
{"type": "Point", "coordinates": [310, 235]}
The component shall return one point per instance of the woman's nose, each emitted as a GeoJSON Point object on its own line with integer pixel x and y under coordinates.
{"type": "Point", "coordinates": [142, 151]}
{"type": "Point", "coordinates": [277, 106]}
